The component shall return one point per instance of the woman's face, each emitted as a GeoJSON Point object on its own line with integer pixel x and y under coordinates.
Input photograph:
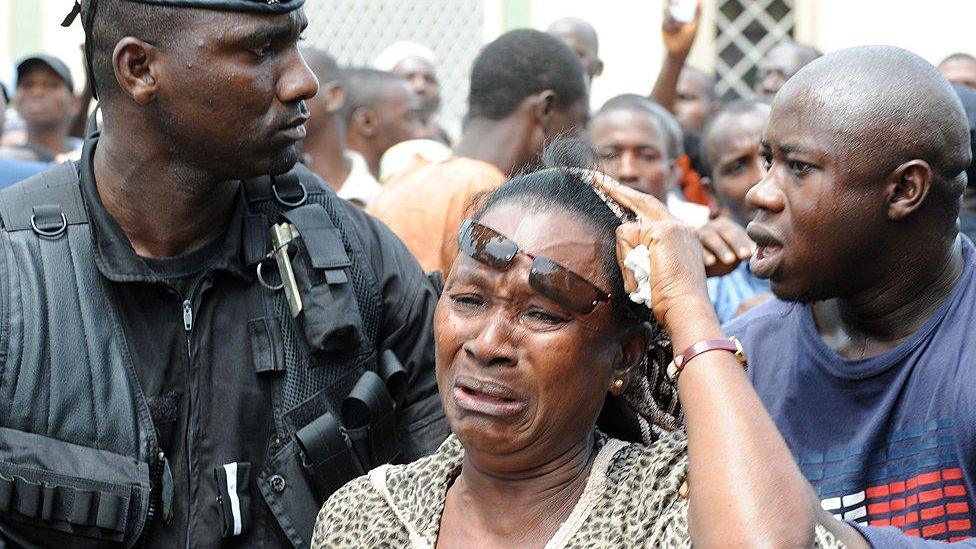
{"type": "Point", "coordinates": [521, 378]}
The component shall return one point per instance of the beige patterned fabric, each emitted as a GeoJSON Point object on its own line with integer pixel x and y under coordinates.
{"type": "Point", "coordinates": [634, 502]}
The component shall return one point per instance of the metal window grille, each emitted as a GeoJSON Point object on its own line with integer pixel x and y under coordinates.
{"type": "Point", "coordinates": [744, 31]}
{"type": "Point", "coordinates": [356, 31]}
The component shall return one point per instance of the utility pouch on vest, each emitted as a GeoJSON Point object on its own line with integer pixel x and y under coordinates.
{"type": "Point", "coordinates": [370, 417]}
{"type": "Point", "coordinates": [330, 316]}
{"type": "Point", "coordinates": [334, 453]}
{"type": "Point", "coordinates": [54, 485]}
{"type": "Point", "coordinates": [326, 456]}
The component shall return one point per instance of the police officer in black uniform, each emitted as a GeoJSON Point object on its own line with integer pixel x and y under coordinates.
{"type": "Point", "coordinates": [198, 341]}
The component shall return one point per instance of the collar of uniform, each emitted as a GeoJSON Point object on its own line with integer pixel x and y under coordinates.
{"type": "Point", "coordinates": [114, 255]}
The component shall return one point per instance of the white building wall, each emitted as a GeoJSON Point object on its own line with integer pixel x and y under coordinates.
{"type": "Point", "coordinates": [933, 28]}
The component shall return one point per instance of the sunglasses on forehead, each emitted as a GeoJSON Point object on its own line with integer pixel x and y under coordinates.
{"type": "Point", "coordinates": [557, 283]}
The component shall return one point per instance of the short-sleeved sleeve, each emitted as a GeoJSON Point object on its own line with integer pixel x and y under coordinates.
{"type": "Point", "coordinates": [355, 516]}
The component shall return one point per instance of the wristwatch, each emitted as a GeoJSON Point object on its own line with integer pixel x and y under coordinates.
{"type": "Point", "coordinates": [731, 345]}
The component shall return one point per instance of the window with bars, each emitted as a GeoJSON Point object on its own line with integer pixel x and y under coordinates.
{"type": "Point", "coordinates": [744, 31]}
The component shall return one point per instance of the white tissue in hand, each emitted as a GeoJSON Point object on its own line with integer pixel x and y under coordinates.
{"type": "Point", "coordinates": [638, 260]}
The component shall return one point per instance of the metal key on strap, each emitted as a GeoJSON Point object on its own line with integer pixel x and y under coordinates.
{"type": "Point", "coordinates": [281, 235]}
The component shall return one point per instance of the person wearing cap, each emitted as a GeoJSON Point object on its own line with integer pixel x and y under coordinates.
{"type": "Point", "coordinates": [199, 342]}
{"type": "Point", "coordinates": [13, 170]}
{"type": "Point", "coordinates": [45, 100]}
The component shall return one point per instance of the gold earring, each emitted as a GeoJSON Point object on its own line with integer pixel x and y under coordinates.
{"type": "Point", "coordinates": [618, 384]}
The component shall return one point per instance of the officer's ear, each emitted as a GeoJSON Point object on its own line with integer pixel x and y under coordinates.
{"type": "Point", "coordinates": [136, 68]}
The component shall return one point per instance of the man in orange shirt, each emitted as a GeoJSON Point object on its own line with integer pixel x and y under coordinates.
{"type": "Point", "coordinates": [527, 88]}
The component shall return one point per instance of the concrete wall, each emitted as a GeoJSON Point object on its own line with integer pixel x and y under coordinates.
{"type": "Point", "coordinates": [933, 28]}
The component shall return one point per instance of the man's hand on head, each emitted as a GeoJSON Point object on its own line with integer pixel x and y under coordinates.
{"type": "Point", "coordinates": [726, 245]}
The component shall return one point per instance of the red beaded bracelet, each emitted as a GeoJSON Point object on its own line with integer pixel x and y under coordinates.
{"type": "Point", "coordinates": [731, 345]}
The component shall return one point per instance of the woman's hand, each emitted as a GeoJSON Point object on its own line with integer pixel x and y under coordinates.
{"type": "Point", "coordinates": [677, 258]}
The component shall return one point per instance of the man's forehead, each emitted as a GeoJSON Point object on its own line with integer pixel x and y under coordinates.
{"type": "Point", "coordinates": [249, 28]}
{"type": "Point", "coordinates": [690, 81]}
{"type": "Point", "coordinates": [735, 130]}
{"type": "Point", "coordinates": [554, 233]}
{"type": "Point", "coordinates": [799, 122]}
{"type": "Point", "coordinates": [252, 6]}
{"type": "Point", "coordinates": [783, 58]}
{"type": "Point", "coordinates": [960, 62]}
{"type": "Point", "coordinates": [632, 124]}
{"type": "Point", "coordinates": [576, 41]}
{"type": "Point", "coordinates": [414, 64]}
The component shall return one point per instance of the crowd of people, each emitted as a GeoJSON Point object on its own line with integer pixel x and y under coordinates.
{"type": "Point", "coordinates": [297, 311]}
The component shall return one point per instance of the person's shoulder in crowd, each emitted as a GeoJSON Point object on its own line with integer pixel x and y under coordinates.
{"type": "Point", "coordinates": [426, 205]}
{"type": "Point", "coordinates": [764, 319]}
{"type": "Point", "coordinates": [967, 224]}
{"type": "Point", "coordinates": [453, 173]}
{"type": "Point", "coordinates": [12, 171]}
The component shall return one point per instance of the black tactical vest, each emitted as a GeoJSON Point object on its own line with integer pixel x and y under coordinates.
{"type": "Point", "coordinates": [79, 462]}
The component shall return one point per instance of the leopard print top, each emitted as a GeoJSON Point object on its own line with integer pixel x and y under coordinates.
{"type": "Point", "coordinates": [631, 500]}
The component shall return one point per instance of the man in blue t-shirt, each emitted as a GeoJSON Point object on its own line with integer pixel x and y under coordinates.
{"type": "Point", "coordinates": [867, 359]}
{"type": "Point", "coordinates": [12, 171]}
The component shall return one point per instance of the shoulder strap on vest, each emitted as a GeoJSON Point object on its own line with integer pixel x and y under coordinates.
{"type": "Point", "coordinates": [67, 382]}
{"type": "Point", "coordinates": [67, 346]}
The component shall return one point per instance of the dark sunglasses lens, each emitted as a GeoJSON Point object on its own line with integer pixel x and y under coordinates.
{"type": "Point", "coordinates": [486, 245]}
{"type": "Point", "coordinates": [563, 286]}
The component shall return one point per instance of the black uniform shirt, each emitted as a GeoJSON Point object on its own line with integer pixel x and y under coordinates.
{"type": "Point", "coordinates": [185, 321]}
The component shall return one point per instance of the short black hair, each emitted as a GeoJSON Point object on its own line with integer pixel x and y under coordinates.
{"type": "Point", "coordinates": [736, 108]}
{"type": "Point", "coordinates": [365, 87]}
{"type": "Point", "coordinates": [108, 21]}
{"type": "Point", "coordinates": [521, 63]}
{"type": "Point", "coordinates": [673, 138]}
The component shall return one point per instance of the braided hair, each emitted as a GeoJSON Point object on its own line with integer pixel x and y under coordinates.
{"type": "Point", "coordinates": [649, 406]}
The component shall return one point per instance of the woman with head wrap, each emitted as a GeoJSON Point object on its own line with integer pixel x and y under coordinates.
{"type": "Point", "coordinates": [535, 338]}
